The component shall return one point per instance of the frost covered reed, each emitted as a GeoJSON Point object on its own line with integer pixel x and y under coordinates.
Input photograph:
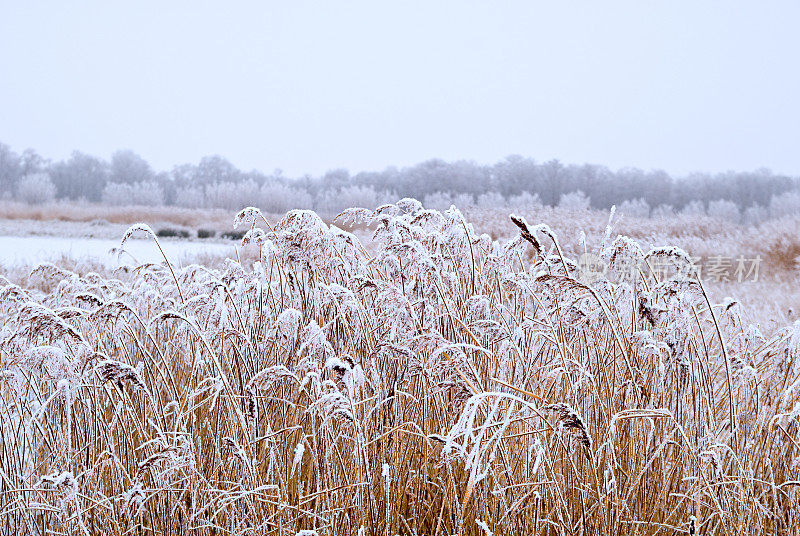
{"type": "Point", "coordinates": [429, 381]}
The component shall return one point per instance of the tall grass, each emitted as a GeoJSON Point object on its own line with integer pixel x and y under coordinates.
{"type": "Point", "coordinates": [432, 382]}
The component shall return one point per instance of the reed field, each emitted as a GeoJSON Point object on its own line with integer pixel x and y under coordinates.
{"type": "Point", "coordinates": [405, 371]}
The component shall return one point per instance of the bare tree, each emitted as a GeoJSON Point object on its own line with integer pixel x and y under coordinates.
{"type": "Point", "coordinates": [10, 170]}
{"type": "Point", "coordinates": [82, 176]}
{"type": "Point", "coordinates": [128, 167]}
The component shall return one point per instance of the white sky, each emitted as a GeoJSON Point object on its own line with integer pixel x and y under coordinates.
{"type": "Point", "coordinates": [308, 86]}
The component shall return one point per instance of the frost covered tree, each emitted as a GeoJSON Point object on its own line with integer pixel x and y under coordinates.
{"type": "Point", "coordinates": [464, 200]}
{"type": "Point", "coordinates": [755, 215]}
{"type": "Point", "coordinates": [10, 170]}
{"type": "Point", "coordinates": [554, 176]}
{"type": "Point", "coordinates": [438, 201]}
{"type": "Point", "coordinates": [277, 198]}
{"type": "Point", "coordinates": [724, 210]}
{"type": "Point", "coordinates": [215, 170]}
{"type": "Point", "coordinates": [491, 200]}
{"type": "Point", "coordinates": [128, 167]}
{"type": "Point", "coordinates": [145, 193]}
{"type": "Point", "coordinates": [525, 200]}
{"type": "Point", "coordinates": [189, 197]}
{"type": "Point", "coordinates": [230, 195]}
{"type": "Point", "coordinates": [635, 208]}
{"type": "Point", "coordinates": [333, 201]}
{"type": "Point", "coordinates": [82, 176]}
{"type": "Point", "coordinates": [576, 200]}
{"type": "Point", "coordinates": [435, 181]}
{"type": "Point", "coordinates": [32, 162]}
{"type": "Point", "coordinates": [36, 188]}
{"type": "Point", "coordinates": [663, 211]}
{"type": "Point", "coordinates": [785, 204]}
{"type": "Point", "coordinates": [694, 208]}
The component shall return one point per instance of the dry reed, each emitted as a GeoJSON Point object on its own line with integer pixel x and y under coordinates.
{"type": "Point", "coordinates": [434, 382]}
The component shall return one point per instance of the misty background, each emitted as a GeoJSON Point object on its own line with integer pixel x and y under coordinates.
{"type": "Point", "coordinates": [324, 106]}
{"type": "Point", "coordinates": [128, 179]}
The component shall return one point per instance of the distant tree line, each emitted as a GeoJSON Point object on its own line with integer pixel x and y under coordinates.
{"type": "Point", "coordinates": [216, 183]}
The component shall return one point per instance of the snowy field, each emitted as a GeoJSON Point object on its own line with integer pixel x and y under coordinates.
{"type": "Point", "coordinates": [17, 251]}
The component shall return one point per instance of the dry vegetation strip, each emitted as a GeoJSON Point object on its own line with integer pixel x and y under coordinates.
{"type": "Point", "coordinates": [87, 212]}
{"type": "Point", "coordinates": [438, 383]}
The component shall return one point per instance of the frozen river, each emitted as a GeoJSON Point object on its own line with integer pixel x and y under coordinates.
{"type": "Point", "coordinates": [29, 250]}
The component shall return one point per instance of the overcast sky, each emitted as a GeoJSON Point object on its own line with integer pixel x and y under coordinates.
{"type": "Point", "coordinates": [309, 86]}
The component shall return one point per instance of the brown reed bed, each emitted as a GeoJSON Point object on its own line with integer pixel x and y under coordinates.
{"type": "Point", "coordinates": [436, 382]}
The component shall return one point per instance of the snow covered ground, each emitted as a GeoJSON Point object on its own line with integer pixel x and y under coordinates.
{"type": "Point", "coordinates": [18, 251]}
